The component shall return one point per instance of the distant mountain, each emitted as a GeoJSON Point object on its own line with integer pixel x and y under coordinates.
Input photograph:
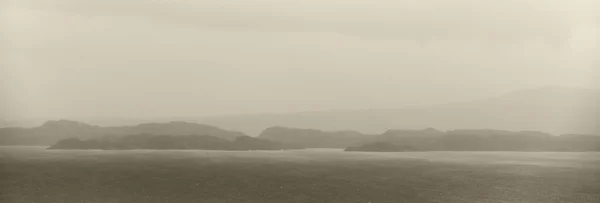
{"type": "Point", "coordinates": [554, 109]}
{"type": "Point", "coordinates": [311, 138]}
{"type": "Point", "coordinates": [426, 139]}
{"type": "Point", "coordinates": [151, 141]}
{"type": "Point", "coordinates": [558, 110]}
{"type": "Point", "coordinates": [478, 140]}
{"type": "Point", "coordinates": [430, 139]}
{"type": "Point", "coordinates": [174, 128]}
{"type": "Point", "coordinates": [52, 131]}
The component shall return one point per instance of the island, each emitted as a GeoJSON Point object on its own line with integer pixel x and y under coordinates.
{"type": "Point", "coordinates": [382, 147]}
{"type": "Point", "coordinates": [151, 141]}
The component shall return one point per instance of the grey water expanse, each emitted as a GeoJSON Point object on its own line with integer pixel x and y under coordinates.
{"type": "Point", "coordinates": [34, 174]}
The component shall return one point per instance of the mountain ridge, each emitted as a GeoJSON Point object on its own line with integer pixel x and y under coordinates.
{"type": "Point", "coordinates": [55, 130]}
{"type": "Point", "coordinates": [553, 109]}
{"type": "Point", "coordinates": [558, 110]}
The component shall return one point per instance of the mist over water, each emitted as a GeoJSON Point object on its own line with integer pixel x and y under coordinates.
{"type": "Point", "coordinates": [148, 59]}
{"type": "Point", "coordinates": [237, 101]}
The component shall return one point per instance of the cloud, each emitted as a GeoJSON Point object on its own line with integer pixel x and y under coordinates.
{"type": "Point", "coordinates": [425, 20]}
{"type": "Point", "coordinates": [140, 57]}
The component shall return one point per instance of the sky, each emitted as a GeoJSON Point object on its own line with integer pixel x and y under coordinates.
{"type": "Point", "coordinates": [156, 58]}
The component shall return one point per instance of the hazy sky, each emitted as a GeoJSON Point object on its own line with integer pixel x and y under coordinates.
{"type": "Point", "coordinates": [138, 58]}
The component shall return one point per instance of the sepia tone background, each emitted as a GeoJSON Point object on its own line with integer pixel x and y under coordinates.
{"type": "Point", "coordinates": [113, 62]}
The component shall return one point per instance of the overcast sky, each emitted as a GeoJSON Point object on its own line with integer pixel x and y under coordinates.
{"type": "Point", "coordinates": [138, 58]}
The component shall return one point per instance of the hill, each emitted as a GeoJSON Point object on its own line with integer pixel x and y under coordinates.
{"type": "Point", "coordinates": [311, 138]}
{"type": "Point", "coordinates": [426, 139]}
{"type": "Point", "coordinates": [478, 140]}
{"type": "Point", "coordinates": [558, 110]}
{"type": "Point", "coordinates": [430, 139]}
{"type": "Point", "coordinates": [52, 131]}
{"type": "Point", "coordinates": [151, 141]}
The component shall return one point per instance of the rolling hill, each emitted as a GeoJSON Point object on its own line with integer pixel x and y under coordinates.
{"type": "Point", "coordinates": [558, 110]}
{"type": "Point", "coordinates": [52, 131]}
